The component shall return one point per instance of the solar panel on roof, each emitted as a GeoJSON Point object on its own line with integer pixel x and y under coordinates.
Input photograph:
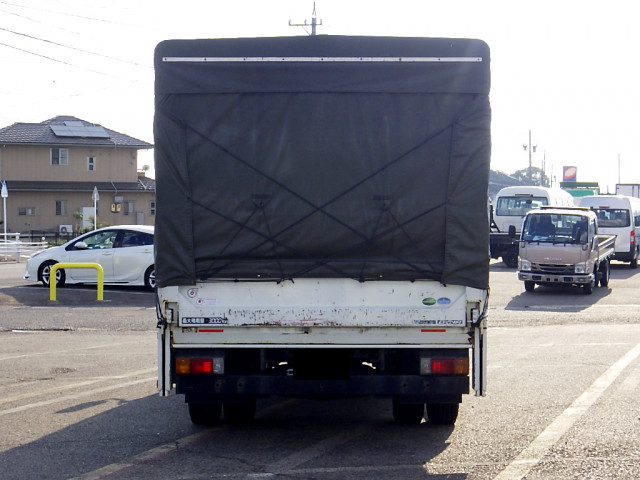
{"type": "Point", "coordinates": [79, 129]}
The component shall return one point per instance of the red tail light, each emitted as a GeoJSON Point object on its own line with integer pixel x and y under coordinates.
{"type": "Point", "coordinates": [445, 366]}
{"type": "Point", "coordinates": [632, 237]}
{"type": "Point", "coordinates": [199, 366]}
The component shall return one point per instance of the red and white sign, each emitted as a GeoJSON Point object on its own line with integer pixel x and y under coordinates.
{"type": "Point", "coordinates": [569, 174]}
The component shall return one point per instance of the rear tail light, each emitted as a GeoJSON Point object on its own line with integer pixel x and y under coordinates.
{"type": "Point", "coordinates": [444, 366]}
{"type": "Point", "coordinates": [632, 237]}
{"type": "Point", "coordinates": [200, 366]}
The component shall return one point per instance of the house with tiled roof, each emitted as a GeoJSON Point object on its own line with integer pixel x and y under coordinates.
{"type": "Point", "coordinates": [51, 170]}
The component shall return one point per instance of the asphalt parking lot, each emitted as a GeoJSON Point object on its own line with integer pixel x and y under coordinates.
{"type": "Point", "coordinates": [80, 401]}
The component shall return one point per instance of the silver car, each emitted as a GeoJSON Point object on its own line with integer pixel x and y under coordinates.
{"type": "Point", "coordinates": [125, 253]}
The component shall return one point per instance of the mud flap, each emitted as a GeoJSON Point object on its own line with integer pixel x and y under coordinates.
{"type": "Point", "coordinates": [480, 359]}
{"type": "Point", "coordinates": [164, 361]}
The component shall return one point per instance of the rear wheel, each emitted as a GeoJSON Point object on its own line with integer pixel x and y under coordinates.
{"type": "Point", "coordinates": [510, 259]}
{"type": "Point", "coordinates": [205, 413]}
{"type": "Point", "coordinates": [605, 273]}
{"type": "Point", "coordinates": [529, 286]}
{"type": "Point", "coordinates": [442, 413]}
{"type": "Point", "coordinates": [407, 413]}
{"type": "Point", "coordinates": [45, 273]}
{"type": "Point", "coordinates": [634, 261]}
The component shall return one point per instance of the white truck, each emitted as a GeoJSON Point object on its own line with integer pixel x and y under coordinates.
{"type": "Point", "coordinates": [510, 206]}
{"type": "Point", "coordinates": [321, 224]}
{"type": "Point", "coordinates": [562, 247]}
{"type": "Point", "coordinates": [618, 215]}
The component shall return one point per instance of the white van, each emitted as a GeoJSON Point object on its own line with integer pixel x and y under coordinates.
{"type": "Point", "coordinates": [513, 203]}
{"type": "Point", "coordinates": [618, 215]}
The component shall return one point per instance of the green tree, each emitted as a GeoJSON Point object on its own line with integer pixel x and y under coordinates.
{"type": "Point", "coordinates": [538, 177]}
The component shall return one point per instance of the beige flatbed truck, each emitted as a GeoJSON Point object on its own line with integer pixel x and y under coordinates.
{"type": "Point", "coordinates": [563, 247]}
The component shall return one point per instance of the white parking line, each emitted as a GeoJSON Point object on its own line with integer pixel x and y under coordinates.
{"type": "Point", "coordinates": [75, 288]}
{"type": "Point", "coordinates": [531, 455]}
{"type": "Point", "coordinates": [106, 346]}
{"type": "Point", "coordinates": [77, 395]}
{"type": "Point", "coordinates": [568, 306]}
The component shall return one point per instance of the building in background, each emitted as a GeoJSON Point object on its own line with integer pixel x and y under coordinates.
{"type": "Point", "coordinates": [52, 168]}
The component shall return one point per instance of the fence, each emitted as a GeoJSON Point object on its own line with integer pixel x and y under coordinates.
{"type": "Point", "coordinates": [13, 249]}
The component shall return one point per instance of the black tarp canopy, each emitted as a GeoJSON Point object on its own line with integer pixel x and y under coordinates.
{"type": "Point", "coordinates": [322, 156]}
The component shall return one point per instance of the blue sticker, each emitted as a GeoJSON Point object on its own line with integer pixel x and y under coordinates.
{"type": "Point", "coordinates": [444, 301]}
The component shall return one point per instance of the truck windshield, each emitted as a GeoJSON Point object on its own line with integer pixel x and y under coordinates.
{"type": "Point", "coordinates": [551, 228]}
{"type": "Point", "coordinates": [518, 206]}
{"type": "Point", "coordinates": [612, 217]}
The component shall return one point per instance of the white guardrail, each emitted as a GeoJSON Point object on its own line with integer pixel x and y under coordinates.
{"type": "Point", "coordinates": [12, 249]}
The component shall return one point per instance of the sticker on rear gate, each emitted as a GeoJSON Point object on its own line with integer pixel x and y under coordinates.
{"type": "Point", "coordinates": [204, 321]}
{"type": "Point", "coordinates": [441, 323]}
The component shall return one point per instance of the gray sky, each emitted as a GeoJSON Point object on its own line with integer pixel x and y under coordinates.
{"type": "Point", "coordinates": [565, 69]}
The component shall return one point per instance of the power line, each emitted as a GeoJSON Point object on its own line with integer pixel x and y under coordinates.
{"type": "Point", "coordinates": [71, 48]}
{"type": "Point", "coordinates": [39, 9]}
{"type": "Point", "coordinates": [60, 61]}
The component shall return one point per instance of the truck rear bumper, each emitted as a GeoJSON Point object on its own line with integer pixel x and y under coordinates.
{"type": "Point", "coordinates": [550, 279]}
{"type": "Point", "coordinates": [431, 388]}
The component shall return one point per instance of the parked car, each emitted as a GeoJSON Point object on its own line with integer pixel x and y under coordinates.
{"type": "Point", "coordinates": [125, 253]}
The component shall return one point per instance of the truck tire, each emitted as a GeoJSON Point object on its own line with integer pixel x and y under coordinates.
{"type": "Point", "coordinates": [407, 413]}
{"type": "Point", "coordinates": [510, 259]}
{"type": "Point", "coordinates": [205, 413]}
{"type": "Point", "coordinates": [529, 286]}
{"type": "Point", "coordinates": [587, 288]}
{"type": "Point", "coordinates": [442, 413]}
{"type": "Point", "coordinates": [605, 273]}
{"type": "Point", "coordinates": [240, 413]}
{"type": "Point", "coordinates": [634, 260]}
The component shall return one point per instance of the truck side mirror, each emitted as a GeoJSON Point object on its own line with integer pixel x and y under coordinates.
{"type": "Point", "coordinates": [512, 231]}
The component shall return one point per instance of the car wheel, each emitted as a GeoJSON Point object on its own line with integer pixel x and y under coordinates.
{"type": "Point", "coordinates": [45, 272]}
{"type": "Point", "coordinates": [150, 278]}
{"type": "Point", "coordinates": [529, 286]}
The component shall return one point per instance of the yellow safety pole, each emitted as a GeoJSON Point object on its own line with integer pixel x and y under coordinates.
{"type": "Point", "coordinates": [57, 266]}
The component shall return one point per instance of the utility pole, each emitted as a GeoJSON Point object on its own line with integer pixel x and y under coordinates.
{"type": "Point", "coordinates": [532, 149]}
{"type": "Point", "coordinates": [314, 22]}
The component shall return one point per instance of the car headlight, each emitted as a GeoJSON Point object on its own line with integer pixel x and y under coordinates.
{"type": "Point", "coordinates": [524, 265]}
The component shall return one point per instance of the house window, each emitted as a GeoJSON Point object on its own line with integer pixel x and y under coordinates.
{"type": "Point", "coordinates": [59, 156]}
{"type": "Point", "coordinates": [91, 164]}
{"type": "Point", "coordinates": [28, 211]}
{"type": "Point", "coordinates": [152, 208]}
{"type": "Point", "coordinates": [61, 208]}
{"type": "Point", "coordinates": [129, 208]}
